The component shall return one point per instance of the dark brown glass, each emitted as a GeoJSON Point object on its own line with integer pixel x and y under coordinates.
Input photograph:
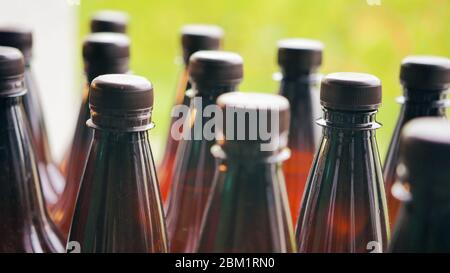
{"type": "Point", "coordinates": [304, 135]}
{"type": "Point", "coordinates": [344, 206]}
{"type": "Point", "coordinates": [415, 103]}
{"type": "Point", "coordinates": [25, 225]}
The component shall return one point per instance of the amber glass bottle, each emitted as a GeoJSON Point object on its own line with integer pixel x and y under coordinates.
{"type": "Point", "coordinates": [25, 225]}
{"type": "Point", "coordinates": [193, 38]}
{"type": "Point", "coordinates": [344, 206]}
{"type": "Point", "coordinates": [248, 210]}
{"type": "Point", "coordinates": [119, 207]}
{"type": "Point", "coordinates": [299, 60]}
{"type": "Point", "coordinates": [212, 73]}
{"type": "Point", "coordinates": [103, 53]}
{"type": "Point", "coordinates": [51, 179]}
{"type": "Point", "coordinates": [425, 81]}
{"type": "Point", "coordinates": [109, 21]}
{"type": "Point", "coordinates": [424, 177]}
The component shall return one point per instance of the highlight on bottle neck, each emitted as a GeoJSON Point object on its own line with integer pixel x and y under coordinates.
{"type": "Point", "coordinates": [109, 21]}
{"type": "Point", "coordinates": [19, 37]}
{"type": "Point", "coordinates": [106, 53]}
{"type": "Point", "coordinates": [121, 102]}
{"type": "Point", "coordinates": [12, 68]}
{"type": "Point", "coordinates": [196, 37]}
{"type": "Point", "coordinates": [253, 125]}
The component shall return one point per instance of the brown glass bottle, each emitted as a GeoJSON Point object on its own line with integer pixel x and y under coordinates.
{"type": "Point", "coordinates": [103, 53]}
{"type": "Point", "coordinates": [51, 179]}
{"type": "Point", "coordinates": [119, 207]}
{"type": "Point", "coordinates": [344, 206]}
{"type": "Point", "coordinates": [25, 225]}
{"type": "Point", "coordinates": [299, 60]}
{"type": "Point", "coordinates": [248, 210]}
{"type": "Point", "coordinates": [425, 81]}
{"type": "Point", "coordinates": [211, 73]}
{"type": "Point", "coordinates": [109, 21]}
{"type": "Point", "coordinates": [424, 177]}
{"type": "Point", "coordinates": [193, 38]}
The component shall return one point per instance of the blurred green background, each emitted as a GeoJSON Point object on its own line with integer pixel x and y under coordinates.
{"type": "Point", "coordinates": [358, 37]}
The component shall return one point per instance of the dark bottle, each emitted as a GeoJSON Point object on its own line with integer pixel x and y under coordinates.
{"type": "Point", "coordinates": [25, 225]}
{"type": "Point", "coordinates": [299, 60]}
{"type": "Point", "coordinates": [51, 179]}
{"type": "Point", "coordinates": [193, 38]}
{"type": "Point", "coordinates": [344, 206]}
{"type": "Point", "coordinates": [119, 207]}
{"type": "Point", "coordinates": [109, 21]}
{"type": "Point", "coordinates": [103, 53]}
{"type": "Point", "coordinates": [248, 210]}
{"type": "Point", "coordinates": [424, 177]}
{"type": "Point", "coordinates": [211, 73]}
{"type": "Point", "coordinates": [425, 80]}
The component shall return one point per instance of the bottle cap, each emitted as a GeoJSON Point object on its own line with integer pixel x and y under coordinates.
{"type": "Point", "coordinates": [200, 37]}
{"type": "Point", "coordinates": [299, 56]}
{"type": "Point", "coordinates": [425, 73]}
{"type": "Point", "coordinates": [109, 21]}
{"type": "Point", "coordinates": [12, 67]}
{"type": "Point", "coordinates": [19, 37]}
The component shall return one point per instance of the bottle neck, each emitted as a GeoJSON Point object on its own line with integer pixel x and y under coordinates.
{"type": "Point", "coordinates": [423, 103]}
{"type": "Point", "coordinates": [296, 88]}
{"type": "Point", "coordinates": [349, 121]}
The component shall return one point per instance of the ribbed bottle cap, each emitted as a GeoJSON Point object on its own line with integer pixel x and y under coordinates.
{"type": "Point", "coordinates": [198, 37]}
{"type": "Point", "coordinates": [349, 91]}
{"type": "Point", "coordinates": [12, 67]}
{"type": "Point", "coordinates": [109, 21]}
{"type": "Point", "coordinates": [215, 68]}
{"type": "Point", "coordinates": [120, 101]}
{"type": "Point", "coordinates": [425, 148]}
{"type": "Point", "coordinates": [299, 56]}
{"type": "Point", "coordinates": [19, 37]}
{"type": "Point", "coordinates": [106, 53]}
{"type": "Point", "coordinates": [425, 72]}
{"type": "Point", "coordinates": [252, 119]}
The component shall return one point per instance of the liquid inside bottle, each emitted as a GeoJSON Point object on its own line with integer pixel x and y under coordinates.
{"type": "Point", "coordinates": [193, 38]}
{"type": "Point", "coordinates": [425, 86]}
{"type": "Point", "coordinates": [424, 181]}
{"type": "Point", "coordinates": [212, 73]}
{"type": "Point", "coordinates": [103, 53]}
{"type": "Point", "coordinates": [119, 207]}
{"type": "Point", "coordinates": [51, 178]}
{"type": "Point", "coordinates": [248, 210]}
{"type": "Point", "coordinates": [344, 206]}
{"type": "Point", "coordinates": [25, 224]}
{"type": "Point", "coordinates": [299, 60]}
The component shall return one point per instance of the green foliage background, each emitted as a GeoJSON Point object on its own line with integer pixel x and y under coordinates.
{"type": "Point", "coordinates": [358, 37]}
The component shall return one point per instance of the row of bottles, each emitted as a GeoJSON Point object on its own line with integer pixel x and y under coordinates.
{"type": "Point", "coordinates": [320, 172]}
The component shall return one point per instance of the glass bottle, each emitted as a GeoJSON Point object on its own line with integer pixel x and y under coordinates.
{"type": "Point", "coordinates": [109, 21]}
{"type": "Point", "coordinates": [51, 179]}
{"type": "Point", "coordinates": [103, 53]}
{"type": "Point", "coordinates": [425, 86]}
{"type": "Point", "coordinates": [119, 208]}
{"type": "Point", "coordinates": [424, 178]}
{"type": "Point", "coordinates": [193, 38]}
{"type": "Point", "coordinates": [299, 60]}
{"type": "Point", "coordinates": [248, 210]}
{"type": "Point", "coordinates": [344, 206]}
{"type": "Point", "coordinates": [25, 225]}
{"type": "Point", "coordinates": [211, 73]}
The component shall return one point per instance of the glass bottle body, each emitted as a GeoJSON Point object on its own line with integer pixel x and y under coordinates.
{"type": "Point", "coordinates": [304, 135]}
{"type": "Point", "coordinates": [344, 208]}
{"type": "Point", "coordinates": [119, 207]}
{"type": "Point", "coordinates": [26, 226]}
{"type": "Point", "coordinates": [416, 104]}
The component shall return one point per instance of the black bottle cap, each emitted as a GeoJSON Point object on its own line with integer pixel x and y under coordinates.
{"type": "Point", "coordinates": [200, 37]}
{"type": "Point", "coordinates": [299, 56]}
{"type": "Point", "coordinates": [246, 116]}
{"type": "Point", "coordinates": [12, 67]}
{"type": "Point", "coordinates": [425, 150]}
{"type": "Point", "coordinates": [425, 72]}
{"type": "Point", "coordinates": [19, 37]}
{"type": "Point", "coordinates": [106, 53]}
{"type": "Point", "coordinates": [109, 21]}
{"type": "Point", "coordinates": [122, 102]}
{"type": "Point", "coordinates": [349, 91]}
{"type": "Point", "coordinates": [215, 68]}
